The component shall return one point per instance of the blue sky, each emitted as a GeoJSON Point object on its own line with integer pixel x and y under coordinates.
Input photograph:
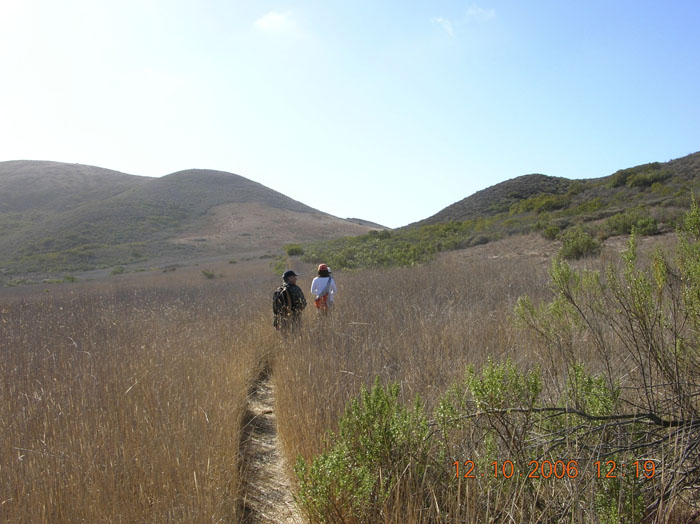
{"type": "Point", "coordinates": [383, 110]}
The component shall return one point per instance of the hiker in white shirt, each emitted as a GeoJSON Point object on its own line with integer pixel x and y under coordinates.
{"type": "Point", "coordinates": [323, 289]}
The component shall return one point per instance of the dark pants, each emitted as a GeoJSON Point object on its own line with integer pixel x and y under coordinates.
{"type": "Point", "coordinates": [288, 323]}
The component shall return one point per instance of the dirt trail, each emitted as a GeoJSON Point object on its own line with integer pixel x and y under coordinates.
{"type": "Point", "coordinates": [267, 496]}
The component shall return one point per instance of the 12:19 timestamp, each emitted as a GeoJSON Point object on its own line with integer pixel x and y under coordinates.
{"type": "Point", "coordinates": [558, 469]}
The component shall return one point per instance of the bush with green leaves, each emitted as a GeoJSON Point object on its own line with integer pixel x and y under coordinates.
{"type": "Point", "coordinates": [588, 393]}
{"type": "Point", "coordinates": [589, 206]}
{"type": "Point", "coordinates": [378, 440]}
{"type": "Point", "coordinates": [549, 229]}
{"type": "Point", "coordinates": [639, 176]}
{"type": "Point", "coordinates": [577, 243]}
{"type": "Point", "coordinates": [293, 250]}
{"type": "Point", "coordinates": [541, 203]}
{"type": "Point", "coordinates": [507, 415]}
{"type": "Point", "coordinates": [647, 179]}
{"type": "Point", "coordinates": [118, 270]}
{"type": "Point", "coordinates": [642, 321]}
{"type": "Point", "coordinates": [633, 219]}
{"type": "Point", "coordinates": [618, 179]}
{"type": "Point", "coordinates": [550, 232]}
{"type": "Point", "coordinates": [619, 500]}
{"type": "Point", "coordinates": [279, 265]}
{"type": "Point", "coordinates": [502, 385]}
{"type": "Point", "coordinates": [396, 248]}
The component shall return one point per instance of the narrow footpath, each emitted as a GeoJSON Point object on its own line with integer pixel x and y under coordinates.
{"type": "Point", "coordinates": [267, 496]}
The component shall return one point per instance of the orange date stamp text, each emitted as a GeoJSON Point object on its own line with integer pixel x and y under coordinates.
{"type": "Point", "coordinates": [557, 469]}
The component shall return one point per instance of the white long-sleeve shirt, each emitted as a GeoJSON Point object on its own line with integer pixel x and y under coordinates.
{"type": "Point", "coordinates": [319, 284]}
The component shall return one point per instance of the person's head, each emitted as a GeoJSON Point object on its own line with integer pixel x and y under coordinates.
{"type": "Point", "coordinates": [290, 276]}
{"type": "Point", "coordinates": [323, 270]}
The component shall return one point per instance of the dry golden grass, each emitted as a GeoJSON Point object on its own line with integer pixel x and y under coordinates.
{"type": "Point", "coordinates": [123, 401]}
{"type": "Point", "coordinates": [124, 404]}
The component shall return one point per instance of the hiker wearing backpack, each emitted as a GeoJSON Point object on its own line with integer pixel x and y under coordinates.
{"type": "Point", "coordinates": [323, 288]}
{"type": "Point", "coordinates": [287, 303]}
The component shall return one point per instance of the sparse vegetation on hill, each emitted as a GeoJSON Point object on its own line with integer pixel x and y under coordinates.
{"type": "Point", "coordinates": [649, 185]}
{"type": "Point", "coordinates": [67, 217]}
{"type": "Point", "coordinates": [648, 198]}
{"type": "Point", "coordinates": [131, 220]}
{"type": "Point", "coordinates": [499, 198]}
{"type": "Point", "coordinates": [399, 248]}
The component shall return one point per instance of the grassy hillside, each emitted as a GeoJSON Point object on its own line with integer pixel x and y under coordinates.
{"type": "Point", "coordinates": [644, 185]}
{"type": "Point", "coordinates": [650, 198]}
{"type": "Point", "coordinates": [41, 188]}
{"type": "Point", "coordinates": [68, 217]}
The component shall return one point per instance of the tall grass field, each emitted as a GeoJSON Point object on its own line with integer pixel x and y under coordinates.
{"type": "Point", "coordinates": [494, 384]}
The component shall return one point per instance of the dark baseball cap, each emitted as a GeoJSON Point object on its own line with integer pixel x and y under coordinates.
{"type": "Point", "coordinates": [289, 273]}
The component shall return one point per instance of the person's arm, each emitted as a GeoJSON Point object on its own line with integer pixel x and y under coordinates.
{"type": "Point", "coordinates": [333, 290]}
{"type": "Point", "coordinates": [314, 287]}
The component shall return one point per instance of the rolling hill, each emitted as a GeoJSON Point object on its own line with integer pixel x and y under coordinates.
{"type": "Point", "coordinates": [650, 198]}
{"type": "Point", "coordinates": [652, 184]}
{"type": "Point", "coordinates": [65, 217]}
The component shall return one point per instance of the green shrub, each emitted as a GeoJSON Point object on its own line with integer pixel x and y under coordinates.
{"type": "Point", "coordinates": [589, 206]}
{"type": "Point", "coordinates": [662, 189]}
{"type": "Point", "coordinates": [619, 500]}
{"type": "Point", "coordinates": [648, 179]}
{"type": "Point", "coordinates": [618, 179]}
{"type": "Point", "coordinates": [624, 223]}
{"type": "Point", "coordinates": [578, 244]}
{"type": "Point", "coordinates": [378, 440]}
{"type": "Point", "coordinates": [382, 235]}
{"type": "Point", "coordinates": [589, 393]}
{"type": "Point", "coordinates": [279, 265]}
{"type": "Point", "coordinates": [293, 250]}
{"type": "Point", "coordinates": [576, 187]}
{"type": "Point", "coordinates": [208, 274]}
{"type": "Point", "coordinates": [479, 240]}
{"type": "Point", "coordinates": [545, 225]}
{"type": "Point", "coordinates": [550, 232]}
{"type": "Point", "coordinates": [502, 386]}
{"type": "Point", "coordinates": [541, 203]}
{"type": "Point", "coordinates": [118, 270]}
{"type": "Point", "coordinates": [639, 176]}
{"type": "Point", "coordinates": [642, 319]}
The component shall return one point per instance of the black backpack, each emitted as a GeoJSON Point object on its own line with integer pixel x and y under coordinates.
{"type": "Point", "coordinates": [281, 300]}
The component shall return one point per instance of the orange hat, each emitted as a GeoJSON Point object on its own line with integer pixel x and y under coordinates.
{"type": "Point", "coordinates": [323, 267]}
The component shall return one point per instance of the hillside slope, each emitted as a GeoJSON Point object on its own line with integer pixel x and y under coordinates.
{"type": "Point", "coordinates": [643, 185]}
{"type": "Point", "coordinates": [649, 198]}
{"type": "Point", "coordinates": [51, 187]}
{"type": "Point", "coordinates": [499, 197]}
{"type": "Point", "coordinates": [61, 217]}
